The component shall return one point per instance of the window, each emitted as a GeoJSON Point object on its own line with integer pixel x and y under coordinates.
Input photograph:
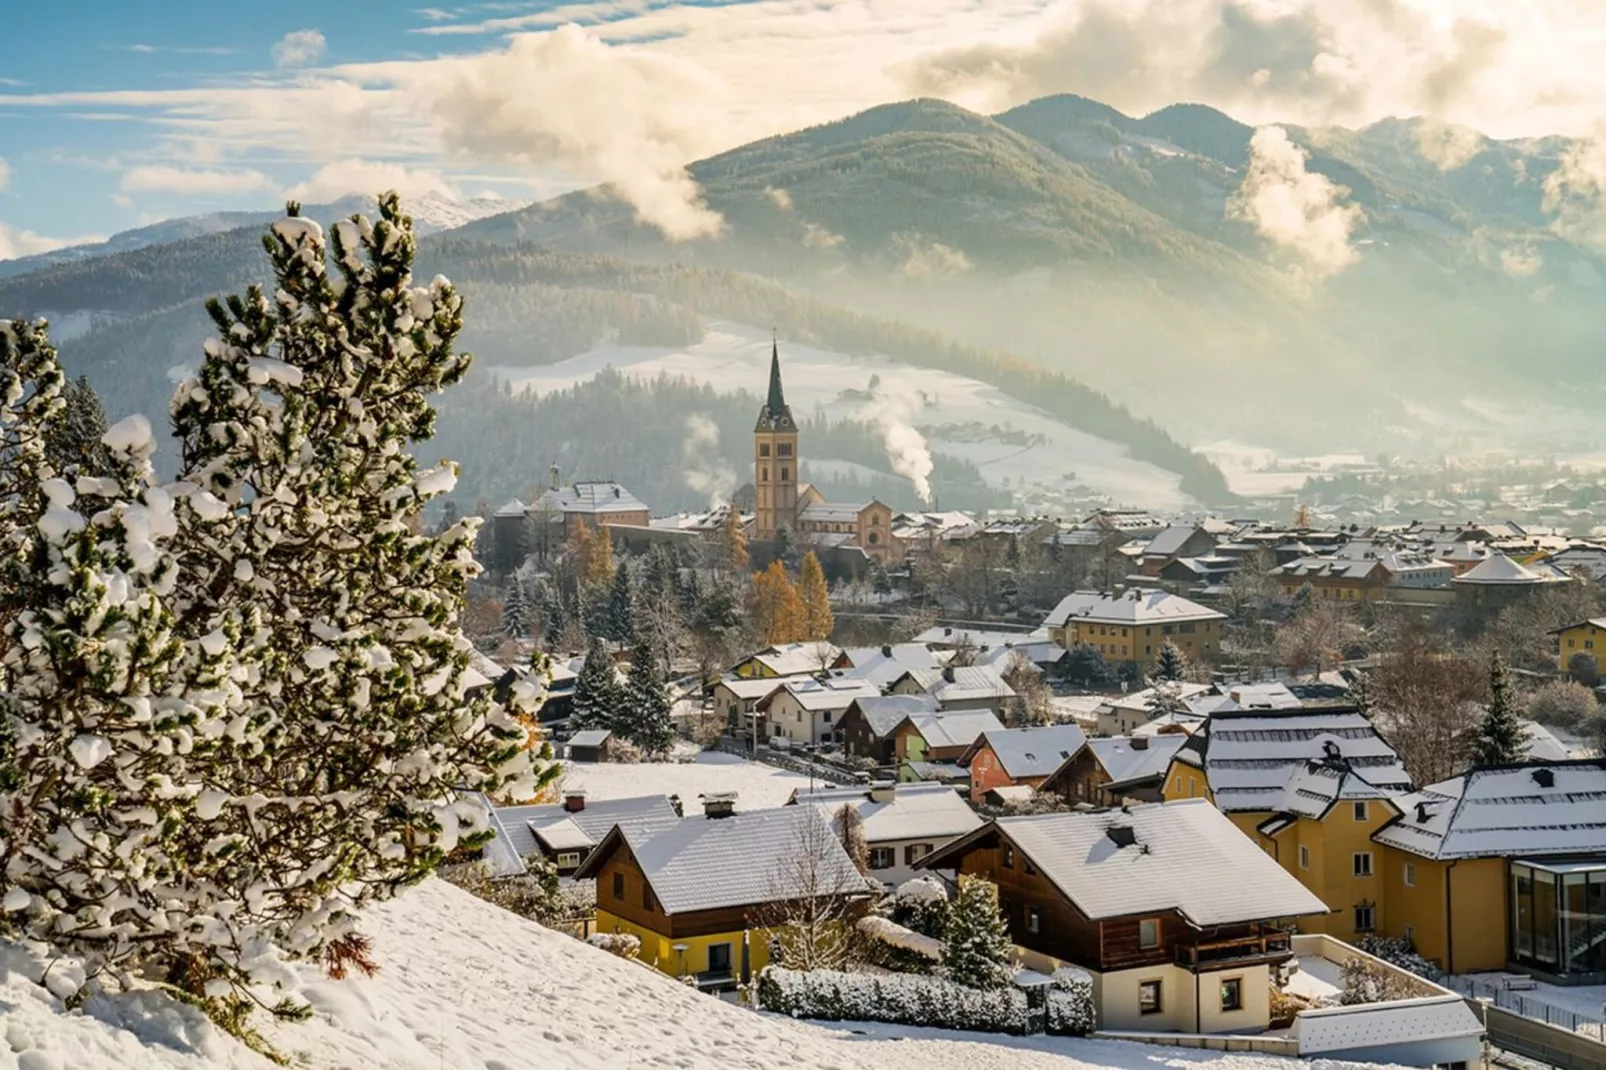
{"type": "Point", "coordinates": [1034, 920]}
{"type": "Point", "coordinates": [882, 858]}
{"type": "Point", "coordinates": [1009, 857]}
{"type": "Point", "coordinates": [1359, 809]}
{"type": "Point", "coordinates": [1149, 932]}
{"type": "Point", "coordinates": [1363, 863]}
{"type": "Point", "coordinates": [719, 959]}
{"type": "Point", "coordinates": [618, 885]}
{"type": "Point", "coordinates": [763, 449]}
{"type": "Point", "coordinates": [1365, 919]}
{"type": "Point", "coordinates": [764, 475]}
{"type": "Point", "coordinates": [786, 473]}
{"type": "Point", "coordinates": [1186, 628]}
{"type": "Point", "coordinates": [827, 716]}
{"type": "Point", "coordinates": [915, 852]}
{"type": "Point", "coordinates": [1149, 997]}
{"type": "Point", "coordinates": [568, 859]}
{"type": "Point", "coordinates": [1304, 856]}
{"type": "Point", "coordinates": [1232, 994]}
{"type": "Point", "coordinates": [1031, 870]}
{"type": "Point", "coordinates": [1410, 874]}
{"type": "Point", "coordinates": [783, 449]}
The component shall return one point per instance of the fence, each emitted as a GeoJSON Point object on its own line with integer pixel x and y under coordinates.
{"type": "Point", "coordinates": [1531, 1007]}
{"type": "Point", "coordinates": [1564, 1049]}
{"type": "Point", "coordinates": [781, 760]}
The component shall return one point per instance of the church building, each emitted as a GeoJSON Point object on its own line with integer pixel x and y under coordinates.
{"type": "Point", "coordinates": [782, 501]}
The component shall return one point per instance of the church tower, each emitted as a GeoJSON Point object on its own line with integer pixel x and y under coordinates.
{"type": "Point", "coordinates": [775, 458]}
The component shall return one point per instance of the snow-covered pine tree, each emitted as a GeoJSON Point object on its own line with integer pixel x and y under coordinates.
{"type": "Point", "coordinates": [1171, 664]}
{"type": "Point", "coordinates": [598, 697]}
{"type": "Point", "coordinates": [554, 618]}
{"type": "Point", "coordinates": [1499, 738]}
{"type": "Point", "coordinates": [343, 770]}
{"type": "Point", "coordinates": [621, 600]}
{"type": "Point", "coordinates": [515, 609]}
{"type": "Point", "coordinates": [645, 717]}
{"type": "Point", "coordinates": [977, 950]}
{"type": "Point", "coordinates": [74, 445]}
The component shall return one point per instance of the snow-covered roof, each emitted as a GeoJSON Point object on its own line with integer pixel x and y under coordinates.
{"type": "Point", "coordinates": [590, 497]}
{"type": "Point", "coordinates": [1378, 1025]}
{"type": "Point", "coordinates": [744, 688]}
{"type": "Point", "coordinates": [512, 508]}
{"type": "Point", "coordinates": [981, 639]}
{"type": "Point", "coordinates": [1315, 789]}
{"type": "Point", "coordinates": [1032, 752]}
{"type": "Point", "coordinates": [1549, 744]}
{"type": "Point", "coordinates": [705, 863]}
{"type": "Point", "coordinates": [796, 659]}
{"type": "Point", "coordinates": [1250, 756]}
{"type": "Point", "coordinates": [1123, 763]}
{"type": "Point", "coordinates": [833, 512]}
{"type": "Point", "coordinates": [1013, 792]}
{"type": "Point", "coordinates": [833, 693]}
{"type": "Point", "coordinates": [1498, 569]}
{"type": "Point", "coordinates": [1141, 700]}
{"type": "Point", "coordinates": [1137, 606]}
{"type": "Point", "coordinates": [881, 665]}
{"type": "Point", "coordinates": [883, 713]}
{"type": "Point", "coordinates": [914, 812]}
{"type": "Point", "coordinates": [966, 683]}
{"type": "Point", "coordinates": [955, 728]}
{"type": "Point", "coordinates": [591, 737]}
{"type": "Point", "coordinates": [1536, 808]}
{"type": "Point", "coordinates": [1185, 856]}
{"type": "Point", "coordinates": [1171, 541]}
{"type": "Point", "coordinates": [520, 825]}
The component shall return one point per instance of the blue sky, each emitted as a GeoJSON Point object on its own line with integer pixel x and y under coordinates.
{"type": "Point", "coordinates": [113, 114]}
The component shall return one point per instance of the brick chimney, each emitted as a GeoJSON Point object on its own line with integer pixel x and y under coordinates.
{"type": "Point", "coordinates": [574, 800]}
{"type": "Point", "coordinates": [1140, 742]}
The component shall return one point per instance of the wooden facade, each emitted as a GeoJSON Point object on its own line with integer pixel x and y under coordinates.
{"type": "Point", "coordinates": [1062, 931]}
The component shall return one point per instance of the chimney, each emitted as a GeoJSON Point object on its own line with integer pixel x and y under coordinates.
{"type": "Point", "coordinates": [1140, 742]}
{"type": "Point", "coordinates": [574, 800]}
{"type": "Point", "coordinates": [886, 650]}
{"type": "Point", "coordinates": [717, 804]}
{"type": "Point", "coordinates": [948, 673]}
{"type": "Point", "coordinates": [553, 474]}
{"type": "Point", "coordinates": [882, 791]}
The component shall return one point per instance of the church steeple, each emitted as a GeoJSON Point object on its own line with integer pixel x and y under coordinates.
{"type": "Point", "coordinates": [776, 415]}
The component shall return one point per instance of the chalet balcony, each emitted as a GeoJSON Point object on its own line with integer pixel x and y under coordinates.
{"type": "Point", "coordinates": [1267, 947]}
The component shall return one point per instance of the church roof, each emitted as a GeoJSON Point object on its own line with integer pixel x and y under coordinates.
{"type": "Point", "coordinates": [776, 415]}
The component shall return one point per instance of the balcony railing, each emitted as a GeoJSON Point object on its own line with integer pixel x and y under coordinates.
{"type": "Point", "coordinates": [1265, 946]}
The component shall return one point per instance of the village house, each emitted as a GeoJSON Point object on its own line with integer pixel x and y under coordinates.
{"type": "Point", "coordinates": [1175, 914]}
{"type": "Point", "coordinates": [969, 687]}
{"type": "Point", "coordinates": [1363, 572]}
{"type": "Point", "coordinates": [1019, 757]}
{"type": "Point", "coordinates": [882, 665]}
{"type": "Point", "coordinates": [1133, 626]}
{"type": "Point", "coordinates": [787, 659]}
{"type": "Point", "coordinates": [1499, 581]}
{"type": "Point", "coordinates": [1585, 637]}
{"type": "Point", "coordinates": [803, 709]}
{"type": "Point", "coordinates": [588, 746]}
{"type": "Point", "coordinates": [1310, 786]}
{"type": "Point", "coordinates": [1115, 771]}
{"type": "Point", "coordinates": [902, 823]}
{"type": "Point", "coordinates": [736, 699]}
{"type": "Point", "coordinates": [1176, 541]}
{"type": "Point", "coordinates": [589, 502]}
{"type": "Point", "coordinates": [565, 833]}
{"type": "Point", "coordinates": [891, 729]}
{"type": "Point", "coordinates": [1503, 864]}
{"type": "Point", "coordinates": [1121, 714]}
{"type": "Point", "coordinates": [940, 738]}
{"type": "Point", "coordinates": [696, 893]}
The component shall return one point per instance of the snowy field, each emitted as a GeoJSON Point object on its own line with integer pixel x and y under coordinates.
{"type": "Point", "coordinates": [466, 986]}
{"type": "Point", "coordinates": [736, 357]}
{"type": "Point", "coordinates": [757, 786]}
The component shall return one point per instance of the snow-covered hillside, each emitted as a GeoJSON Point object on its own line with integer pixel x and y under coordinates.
{"type": "Point", "coordinates": [464, 985]}
{"type": "Point", "coordinates": [1041, 450]}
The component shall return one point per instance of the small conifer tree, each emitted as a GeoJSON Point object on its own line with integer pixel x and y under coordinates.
{"type": "Point", "coordinates": [645, 718]}
{"type": "Point", "coordinates": [977, 949]}
{"type": "Point", "coordinates": [1171, 664]}
{"type": "Point", "coordinates": [1499, 738]}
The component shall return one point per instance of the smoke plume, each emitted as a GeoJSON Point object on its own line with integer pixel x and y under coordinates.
{"type": "Point", "coordinates": [706, 470]}
{"type": "Point", "coordinates": [1296, 209]}
{"type": "Point", "coordinates": [907, 449]}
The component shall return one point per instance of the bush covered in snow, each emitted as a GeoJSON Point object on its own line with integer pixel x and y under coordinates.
{"type": "Point", "coordinates": [1071, 1010]}
{"type": "Point", "coordinates": [235, 705]}
{"type": "Point", "coordinates": [893, 947]}
{"type": "Point", "coordinates": [920, 904]}
{"type": "Point", "coordinates": [1398, 951]}
{"type": "Point", "coordinates": [625, 945]}
{"type": "Point", "coordinates": [901, 999]}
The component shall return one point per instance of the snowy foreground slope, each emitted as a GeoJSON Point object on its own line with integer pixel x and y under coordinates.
{"type": "Point", "coordinates": [466, 986]}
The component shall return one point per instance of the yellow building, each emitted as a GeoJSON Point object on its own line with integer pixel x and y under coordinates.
{"type": "Point", "coordinates": [1503, 864]}
{"type": "Point", "coordinates": [1134, 625]}
{"type": "Point", "coordinates": [1310, 787]}
{"type": "Point", "coordinates": [1585, 637]}
{"type": "Point", "coordinates": [699, 895]}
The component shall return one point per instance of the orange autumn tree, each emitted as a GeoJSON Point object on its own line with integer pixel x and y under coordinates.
{"type": "Point", "coordinates": [777, 608]}
{"type": "Point", "coordinates": [735, 542]}
{"type": "Point", "coordinates": [816, 597]}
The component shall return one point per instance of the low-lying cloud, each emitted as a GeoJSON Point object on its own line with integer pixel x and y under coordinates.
{"type": "Point", "coordinates": [921, 257]}
{"type": "Point", "coordinates": [195, 182]}
{"type": "Point", "coordinates": [705, 470]}
{"type": "Point", "coordinates": [335, 180]}
{"type": "Point", "coordinates": [1575, 193]}
{"type": "Point", "coordinates": [1295, 209]}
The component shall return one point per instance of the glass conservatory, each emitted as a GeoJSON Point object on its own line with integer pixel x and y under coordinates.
{"type": "Point", "coordinates": [1558, 915]}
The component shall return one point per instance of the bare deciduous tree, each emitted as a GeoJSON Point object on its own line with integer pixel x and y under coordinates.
{"type": "Point", "coordinates": [813, 895]}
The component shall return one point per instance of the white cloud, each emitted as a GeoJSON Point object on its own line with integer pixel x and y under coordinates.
{"type": "Point", "coordinates": [298, 48]}
{"type": "Point", "coordinates": [1294, 208]}
{"type": "Point", "coordinates": [1446, 145]}
{"type": "Point", "coordinates": [371, 177]}
{"type": "Point", "coordinates": [16, 242]}
{"type": "Point", "coordinates": [1575, 193]}
{"type": "Point", "coordinates": [779, 197]}
{"type": "Point", "coordinates": [817, 237]}
{"type": "Point", "coordinates": [161, 178]}
{"type": "Point", "coordinates": [923, 257]}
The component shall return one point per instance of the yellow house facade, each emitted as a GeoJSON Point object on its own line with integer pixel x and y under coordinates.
{"type": "Point", "coordinates": [1333, 855]}
{"type": "Point", "coordinates": [1585, 637]}
{"type": "Point", "coordinates": [1135, 625]}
